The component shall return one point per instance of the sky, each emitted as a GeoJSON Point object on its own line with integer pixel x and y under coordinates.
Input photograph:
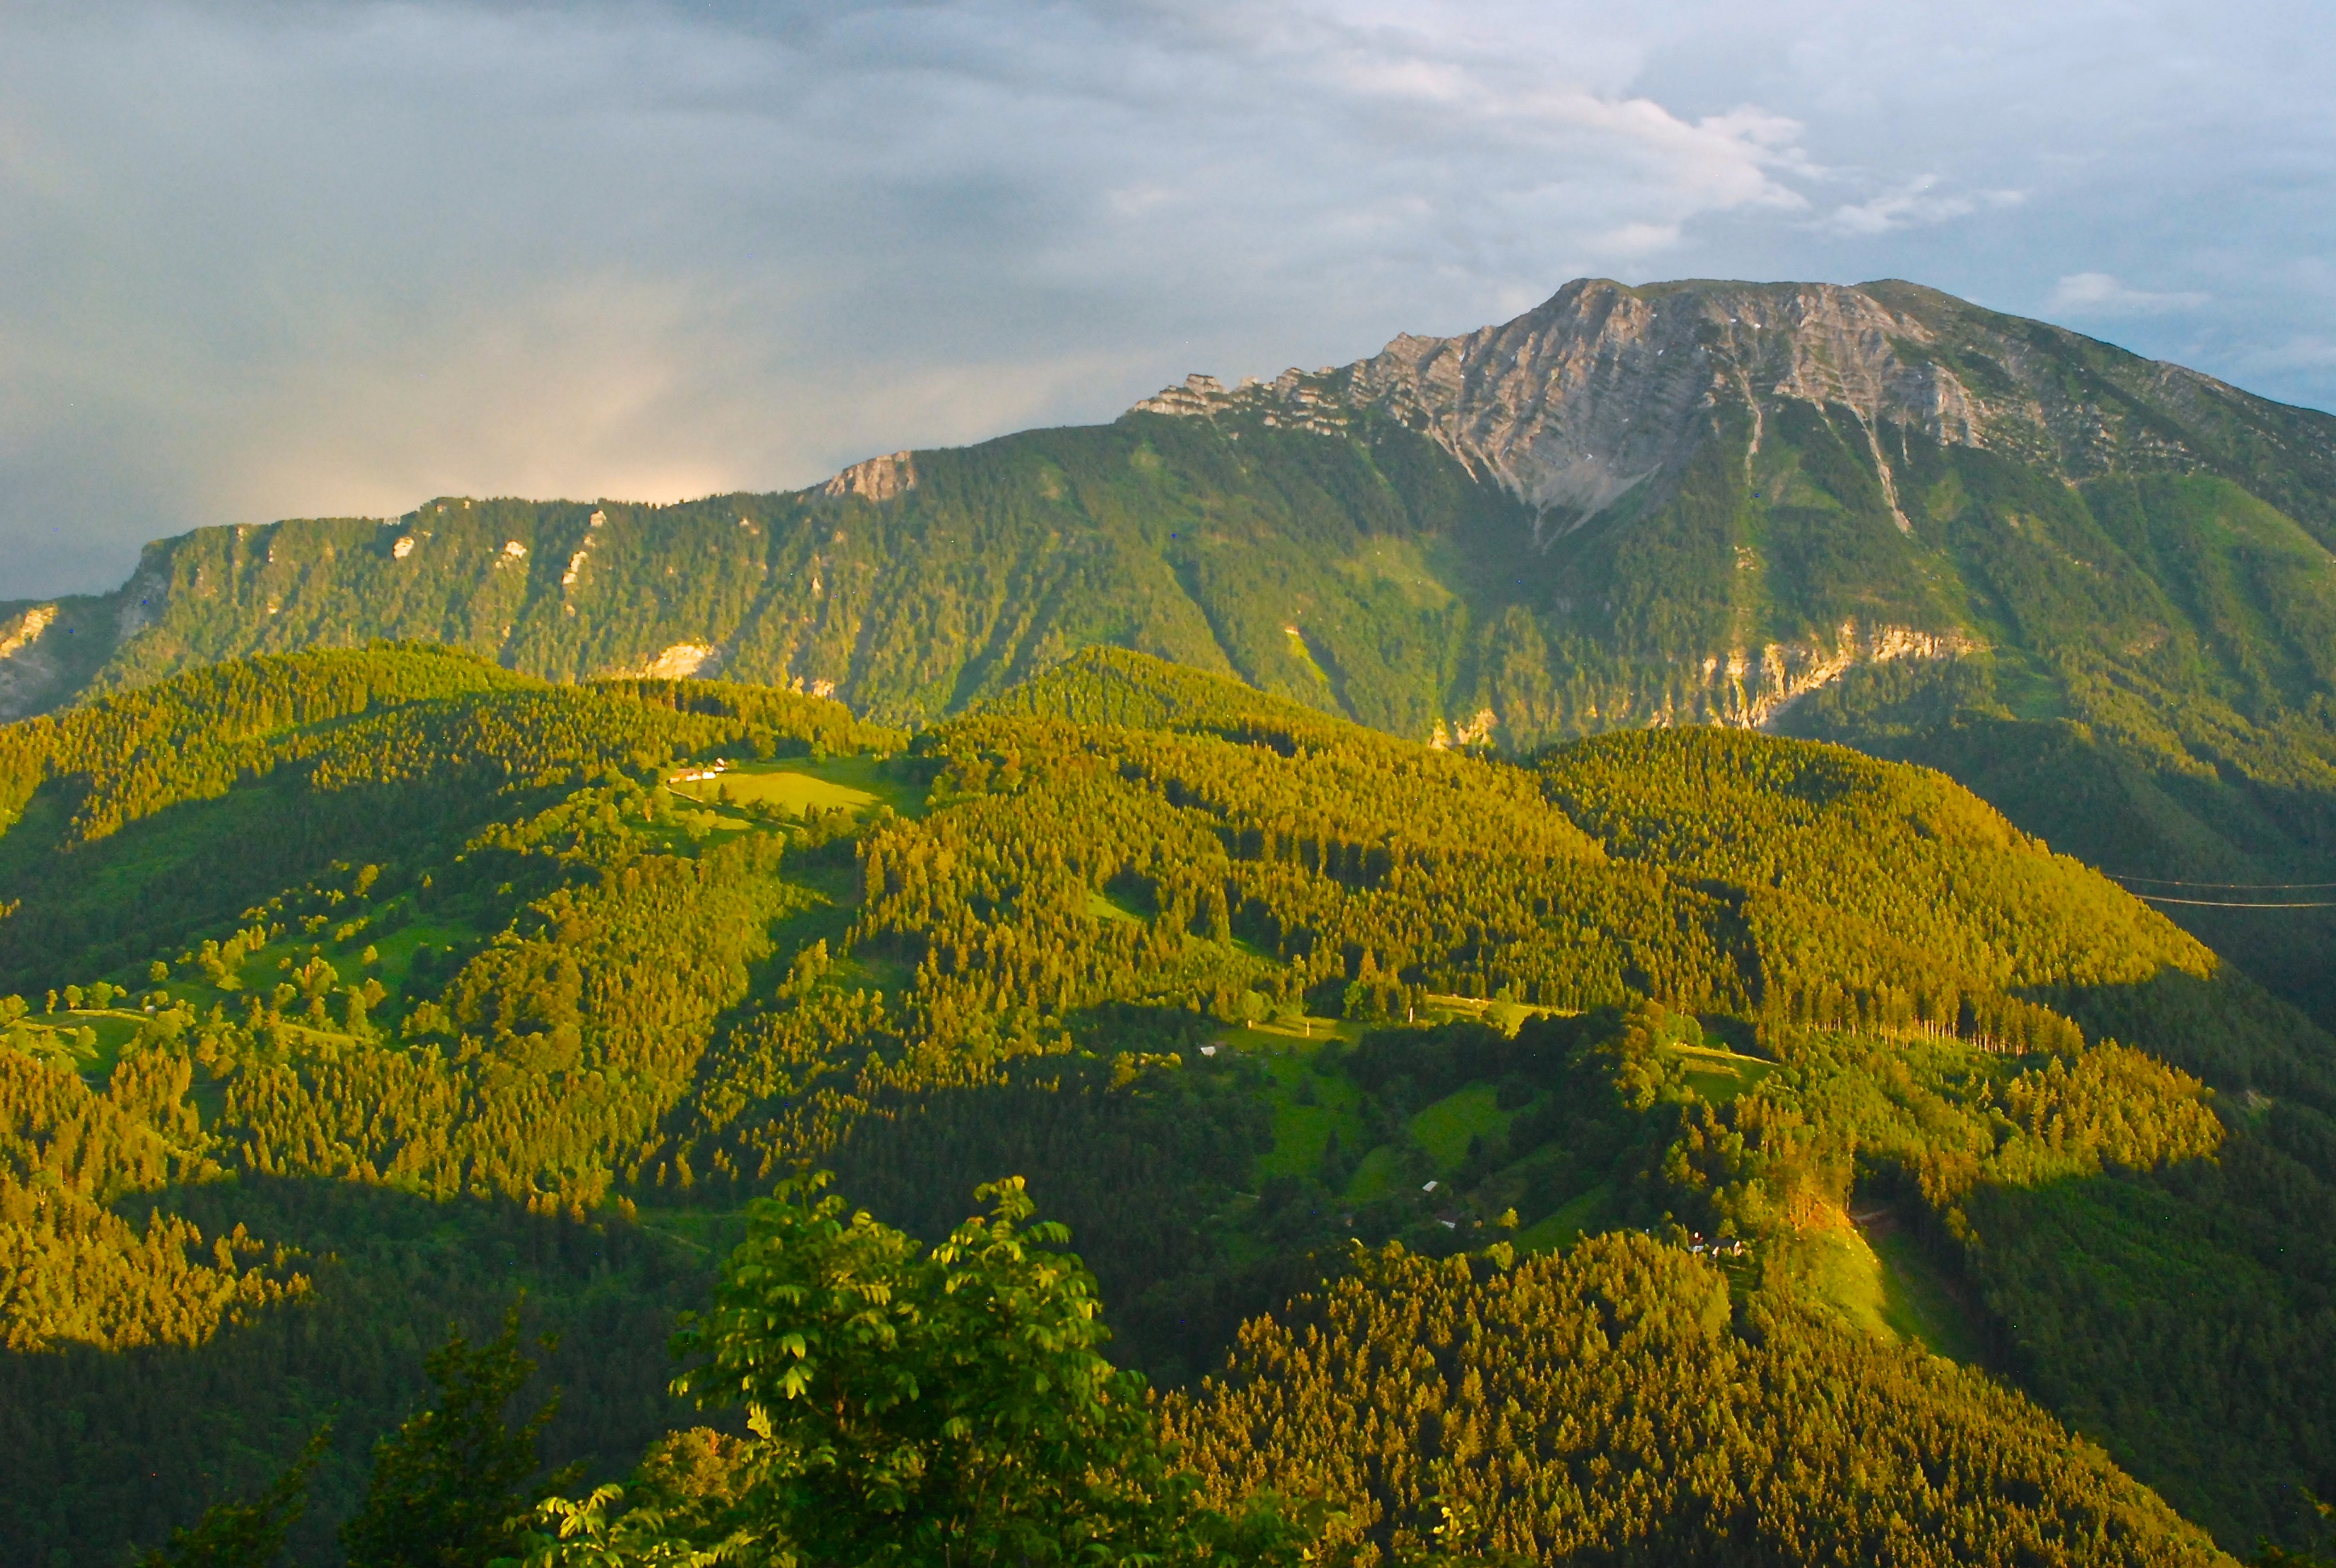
{"type": "Point", "coordinates": [263, 258]}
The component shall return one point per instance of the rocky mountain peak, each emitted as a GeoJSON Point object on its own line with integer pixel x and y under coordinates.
{"type": "Point", "coordinates": [1580, 399]}
{"type": "Point", "coordinates": [1603, 387]}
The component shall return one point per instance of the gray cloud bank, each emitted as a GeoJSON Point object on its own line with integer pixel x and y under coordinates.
{"type": "Point", "coordinates": [286, 258]}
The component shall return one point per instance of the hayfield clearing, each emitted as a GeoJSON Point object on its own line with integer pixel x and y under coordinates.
{"type": "Point", "coordinates": [787, 789]}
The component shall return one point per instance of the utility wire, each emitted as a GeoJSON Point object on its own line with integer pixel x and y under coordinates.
{"type": "Point", "coordinates": [2235, 887]}
{"type": "Point", "coordinates": [2220, 904]}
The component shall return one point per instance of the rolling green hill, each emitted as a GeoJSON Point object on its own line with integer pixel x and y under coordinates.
{"type": "Point", "coordinates": [345, 993]}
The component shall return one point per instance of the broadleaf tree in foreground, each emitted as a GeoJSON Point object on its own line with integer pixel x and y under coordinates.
{"type": "Point", "coordinates": [912, 1405]}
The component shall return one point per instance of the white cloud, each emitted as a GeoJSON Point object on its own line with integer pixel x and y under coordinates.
{"type": "Point", "coordinates": [2310, 352]}
{"type": "Point", "coordinates": [1916, 202]}
{"type": "Point", "coordinates": [1635, 240]}
{"type": "Point", "coordinates": [2083, 294]}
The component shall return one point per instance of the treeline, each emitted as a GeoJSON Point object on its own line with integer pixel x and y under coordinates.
{"type": "Point", "coordinates": [536, 1066]}
{"type": "Point", "coordinates": [553, 1058]}
{"type": "Point", "coordinates": [1856, 875]}
{"type": "Point", "coordinates": [1789, 882]}
{"type": "Point", "coordinates": [193, 735]}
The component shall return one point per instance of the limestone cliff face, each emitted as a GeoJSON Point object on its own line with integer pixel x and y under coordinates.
{"type": "Point", "coordinates": [27, 670]}
{"type": "Point", "coordinates": [877, 478]}
{"type": "Point", "coordinates": [1603, 388]}
{"type": "Point", "coordinates": [1755, 688]}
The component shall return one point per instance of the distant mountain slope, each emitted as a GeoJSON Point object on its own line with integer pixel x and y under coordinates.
{"type": "Point", "coordinates": [1691, 501]}
{"type": "Point", "coordinates": [2099, 587]}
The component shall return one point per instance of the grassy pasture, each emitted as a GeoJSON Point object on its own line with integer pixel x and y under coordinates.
{"type": "Point", "coordinates": [56, 1035]}
{"type": "Point", "coordinates": [1834, 1266]}
{"type": "Point", "coordinates": [1917, 1302]}
{"type": "Point", "coordinates": [1102, 907]}
{"type": "Point", "coordinates": [393, 952]}
{"type": "Point", "coordinates": [1444, 1129]}
{"type": "Point", "coordinates": [1880, 1279]}
{"type": "Point", "coordinates": [1380, 1174]}
{"type": "Point", "coordinates": [1503, 1016]}
{"type": "Point", "coordinates": [1279, 1033]}
{"type": "Point", "coordinates": [789, 790]}
{"type": "Point", "coordinates": [1720, 1075]}
{"type": "Point", "coordinates": [1301, 1132]}
{"type": "Point", "coordinates": [852, 784]}
{"type": "Point", "coordinates": [1566, 1225]}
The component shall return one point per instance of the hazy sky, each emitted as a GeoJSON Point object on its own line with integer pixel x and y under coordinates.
{"type": "Point", "coordinates": [279, 258]}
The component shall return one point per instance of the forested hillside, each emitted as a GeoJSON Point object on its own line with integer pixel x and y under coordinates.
{"type": "Point", "coordinates": [2096, 589]}
{"type": "Point", "coordinates": [345, 995]}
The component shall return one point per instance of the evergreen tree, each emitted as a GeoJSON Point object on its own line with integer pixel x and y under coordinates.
{"type": "Point", "coordinates": [446, 1486]}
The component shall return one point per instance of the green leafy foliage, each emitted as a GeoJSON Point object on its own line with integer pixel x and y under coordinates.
{"type": "Point", "coordinates": [910, 1406]}
{"type": "Point", "coordinates": [949, 1406]}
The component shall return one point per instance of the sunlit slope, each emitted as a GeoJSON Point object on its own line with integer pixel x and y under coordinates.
{"type": "Point", "coordinates": [908, 597]}
{"type": "Point", "coordinates": [135, 820]}
{"type": "Point", "coordinates": [1106, 686]}
{"type": "Point", "coordinates": [1617, 1405]}
{"type": "Point", "coordinates": [1804, 889]}
{"type": "Point", "coordinates": [244, 1179]}
{"type": "Point", "coordinates": [1858, 866]}
{"type": "Point", "coordinates": [1815, 481]}
{"type": "Point", "coordinates": [1831, 888]}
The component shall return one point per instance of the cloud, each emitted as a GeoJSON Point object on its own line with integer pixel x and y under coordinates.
{"type": "Point", "coordinates": [2311, 352]}
{"type": "Point", "coordinates": [265, 257]}
{"type": "Point", "coordinates": [2083, 294]}
{"type": "Point", "coordinates": [1635, 240]}
{"type": "Point", "coordinates": [1916, 202]}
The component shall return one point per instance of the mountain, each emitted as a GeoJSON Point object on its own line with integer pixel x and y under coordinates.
{"type": "Point", "coordinates": [1386, 1089]}
{"type": "Point", "coordinates": [2097, 588]}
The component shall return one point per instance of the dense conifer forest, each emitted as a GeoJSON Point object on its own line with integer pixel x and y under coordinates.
{"type": "Point", "coordinates": [1686, 1144]}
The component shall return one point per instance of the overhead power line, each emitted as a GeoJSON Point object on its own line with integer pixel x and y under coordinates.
{"type": "Point", "coordinates": [2232, 904]}
{"type": "Point", "coordinates": [2227, 887]}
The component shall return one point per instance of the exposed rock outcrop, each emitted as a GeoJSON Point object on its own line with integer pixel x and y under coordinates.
{"type": "Point", "coordinates": [1756, 691]}
{"type": "Point", "coordinates": [35, 671]}
{"type": "Point", "coordinates": [1526, 608]}
{"type": "Point", "coordinates": [877, 478]}
{"type": "Point", "coordinates": [1573, 404]}
{"type": "Point", "coordinates": [680, 662]}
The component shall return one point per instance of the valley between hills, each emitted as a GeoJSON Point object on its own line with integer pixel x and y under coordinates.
{"type": "Point", "coordinates": [1554, 911]}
